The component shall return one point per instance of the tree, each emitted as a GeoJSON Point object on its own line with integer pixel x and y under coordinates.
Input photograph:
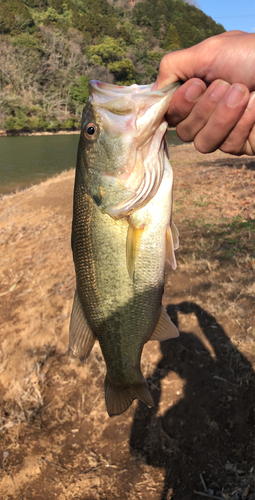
{"type": "Point", "coordinates": [80, 93]}
{"type": "Point", "coordinates": [107, 51]}
{"type": "Point", "coordinates": [172, 40]}
{"type": "Point", "coordinates": [20, 12]}
{"type": "Point", "coordinates": [193, 2]}
{"type": "Point", "coordinates": [123, 71]}
{"type": "Point", "coordinates": [8, 22]}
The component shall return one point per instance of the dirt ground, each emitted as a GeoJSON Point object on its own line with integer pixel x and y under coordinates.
{"type": "Point", "coordinates": [56, 439]}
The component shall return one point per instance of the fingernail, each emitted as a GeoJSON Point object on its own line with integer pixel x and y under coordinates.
{"type": "Point", "coordinates": [251, 103]}
{"type": "Point", "coordinates": [235, 96]}
{"type": "Point", "coordinates": [194, 92]}
{"type": "Point", "coordinates": [219, 91]}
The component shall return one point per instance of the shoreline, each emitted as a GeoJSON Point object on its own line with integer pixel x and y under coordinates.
{"type": "Point", "coordinates": [36, 186]}
{"type": "Point", "coordinates": [16, 133]}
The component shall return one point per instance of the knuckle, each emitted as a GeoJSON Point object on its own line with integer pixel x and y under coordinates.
{"type": "Point", "coordinates": [185, 132]}
{"type": "Point", "coordinates": [199, 114]}
{"type": "Point", "coordinates": [221, 125]}
{"type": "Point", "coordinates": [178, 112]}
{"type": "Point", "coordinates": [230, 147]}
{"type": "Point", "coordinates": [201, 144]}
{"type": "Point", "coordinates": [164, 64]}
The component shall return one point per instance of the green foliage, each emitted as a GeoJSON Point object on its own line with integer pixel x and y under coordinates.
{"type": "Point", "coordinates": [68, 124]}
{"type": "Point", "coordinates": [107, 51]}
{"type": "Point", "coordinates": [80, 93]}
{"type": "Point", "coordinates": [137, 38]}
{"type": "Point", "coordinates": [51, 17]}
{"type": "Point", "coordinates": [123, 71]}
{"type": "Point", "coordinates": [124, 34]}
{"type": "Point", "coordinates": [172, 40]}
{"type": "Point", "coordinates": [57, 5]}
{"type": "Point", "coordinates": [101, 7]}
{"type": "Point", "coordinates": [62, 6]}
{"type": "Point", "coordinates": [27, 119]}
{"type": "Point", "coordinates": [27, 41]}
{"type": "Point", "coordinates": [8, 23]}
{"type": "Point", "coordinates": [21, 118]}
{"type": "Point", "coordinates": [18, 120]}
{"type": "Point", "coordinates": [154, 56]}
{"type": "Point", "coordinates": [18, 10]}
{"type": "Point", "coordinates": [110, 53]}
{"type": "Point", "coordinates": [149, 74]}
{"type": "Point", "coordinates": [36, 4]}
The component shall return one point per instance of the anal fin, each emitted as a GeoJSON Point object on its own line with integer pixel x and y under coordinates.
{"type": "Point", "coordinates": [81, 337]}
{"type": "Point", "coordinates": [134, 236]}
{"type": "Point", "coordinates": [165, 328]}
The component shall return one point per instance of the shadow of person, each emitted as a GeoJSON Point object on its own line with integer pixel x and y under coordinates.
{"type": "Point", "coordinates": [235, 163]}
{"type": "Point", "coordinates": [210, 429]}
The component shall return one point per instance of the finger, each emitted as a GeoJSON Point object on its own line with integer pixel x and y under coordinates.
{"type": "Point", "coordinates": [250, 143]}
{"type": "Point", "coordinates": [183, 100]}
{"type": "Point", "coordinates": [241, 139]}
{"type": "Point", "coordinates": [201, 112]}
{"type": "Point", "coordinates": [223, 119]}
{"type": "Point", "coordinates": [176, 66]}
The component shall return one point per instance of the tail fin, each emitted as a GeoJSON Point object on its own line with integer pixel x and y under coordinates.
{"type": "Point", "coordinates": [118, 399]}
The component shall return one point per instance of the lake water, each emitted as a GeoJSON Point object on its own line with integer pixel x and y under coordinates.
{"type": "Point", "coordinates": [29, 160]}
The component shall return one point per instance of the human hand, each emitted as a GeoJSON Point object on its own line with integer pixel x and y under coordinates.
{"type": "Point", "coordinates": [222, 115]}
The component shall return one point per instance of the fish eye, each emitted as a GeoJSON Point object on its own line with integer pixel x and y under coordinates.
{"type": "Point", "coordinates": [91, 131]}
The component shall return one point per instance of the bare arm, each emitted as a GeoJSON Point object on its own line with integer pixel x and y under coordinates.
{"type": "Point", "coordinates": [216, 105]}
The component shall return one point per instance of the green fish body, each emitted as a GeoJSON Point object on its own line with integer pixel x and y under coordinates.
{"type": "Point", "coordinates": [122, 235]}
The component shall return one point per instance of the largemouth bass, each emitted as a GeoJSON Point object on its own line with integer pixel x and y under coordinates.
{"type": "Point", "coordinates": [122, 234]}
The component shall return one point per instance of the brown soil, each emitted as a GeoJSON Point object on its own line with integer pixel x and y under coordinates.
{"type": "Point", "coordinates": [56, 438]}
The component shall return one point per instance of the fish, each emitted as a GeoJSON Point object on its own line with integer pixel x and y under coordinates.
{"type": "Point", "coordinates": [122, 234]}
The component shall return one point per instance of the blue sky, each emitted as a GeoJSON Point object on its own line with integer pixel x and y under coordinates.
{"type": "Point", "coordinates": [233, 15]}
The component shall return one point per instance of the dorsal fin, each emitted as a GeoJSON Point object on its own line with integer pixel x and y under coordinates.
{"type": "Point", "coordinates": [81, 337]}
{"type": "Point", "coordinates": [165, 329]}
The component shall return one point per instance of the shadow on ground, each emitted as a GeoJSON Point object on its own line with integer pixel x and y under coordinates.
{"type": "Point", "coordinates": [210, 430]}
{"type": "Point", "coordinates": [234, 162]}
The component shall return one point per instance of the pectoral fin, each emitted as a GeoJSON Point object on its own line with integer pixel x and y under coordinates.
{"type": "Point", "coordinates": [170, 257]}
{"type": "Point", "coordinates": [134, 236]}
{"type": "Point", "coordinates": [175, 235]}
{"type": "Point", "coordinates": [81, 337]}
{"type": "Point", "coordinates": [165, 328]}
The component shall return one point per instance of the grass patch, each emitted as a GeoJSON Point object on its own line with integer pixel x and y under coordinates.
{"type": "Point", "coordinates": [202, 201]}
{"type": "Point", "coordinates": [228, 241]}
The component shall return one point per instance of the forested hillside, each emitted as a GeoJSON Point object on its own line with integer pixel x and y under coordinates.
{"type": "Point", "coordinates": [50, 49]}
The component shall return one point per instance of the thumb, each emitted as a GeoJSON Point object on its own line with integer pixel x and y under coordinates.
{"type": "Point", "coordinates": [175, 66]}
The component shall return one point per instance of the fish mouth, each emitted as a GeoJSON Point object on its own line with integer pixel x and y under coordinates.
{"type": "Point", "coordinates": [95, 86]}
{"type": "Point", "coordinates": [135, 114]}
{"type": "Point", "coordinates": [151, 170]}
